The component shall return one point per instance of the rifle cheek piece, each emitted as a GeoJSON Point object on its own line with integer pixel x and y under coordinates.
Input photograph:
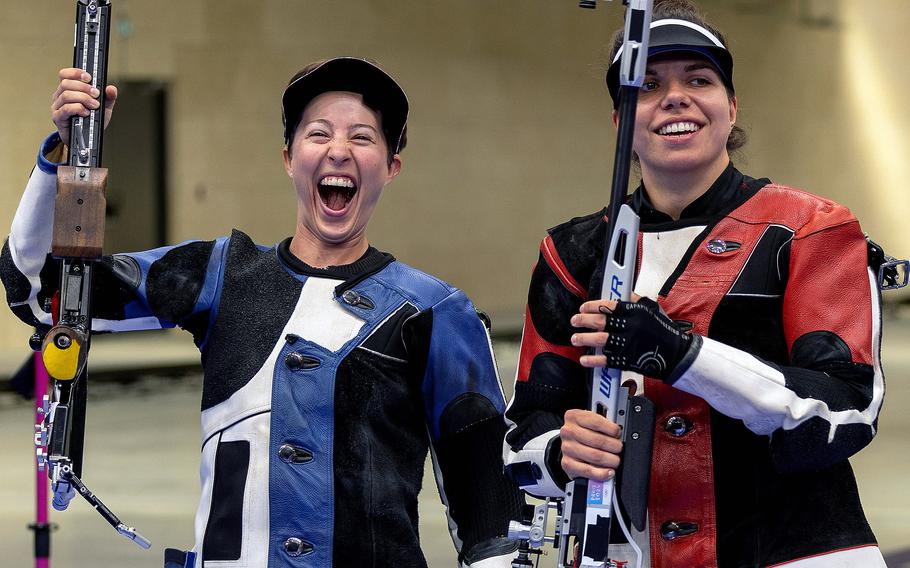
{"type": "Point", "coordinates": [79, 211]}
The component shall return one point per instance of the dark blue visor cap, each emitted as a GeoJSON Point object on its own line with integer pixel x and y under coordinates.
{"type": "Point", "coordinates": [679, 36]}
{"type": "Point", "coordinates": [353, 74]}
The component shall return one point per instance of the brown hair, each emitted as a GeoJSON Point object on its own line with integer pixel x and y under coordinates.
{"type": "Point", "coordinates": [688, 11]}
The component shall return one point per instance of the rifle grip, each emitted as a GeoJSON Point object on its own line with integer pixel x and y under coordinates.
{"type": "Point", "coordinates": [634, 475]}
{"type": "Point", "coordinates": [79, 212]}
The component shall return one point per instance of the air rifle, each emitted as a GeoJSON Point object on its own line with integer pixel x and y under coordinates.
{"type": "Point", "coordinates": [584, 518]}
{"type": "Point", "coordinates": [77, 241]}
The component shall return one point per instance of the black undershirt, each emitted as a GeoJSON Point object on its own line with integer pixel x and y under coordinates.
{"type": "Point", "coordinates": [371, 262]}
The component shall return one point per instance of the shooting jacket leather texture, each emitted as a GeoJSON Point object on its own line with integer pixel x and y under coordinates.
{"type": "Point", "coordinates": [754, 429]}
{"type": "Point", "coordinates": [323, 392]}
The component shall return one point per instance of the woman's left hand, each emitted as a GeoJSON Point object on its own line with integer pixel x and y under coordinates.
{"type": "Point", "coordinates": [635, 336]}
{"type": "Point", "coordinates": [592, 315]}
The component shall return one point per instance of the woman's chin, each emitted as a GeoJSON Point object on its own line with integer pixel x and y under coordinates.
{"type": "Point", "coordinates": [335, 234]}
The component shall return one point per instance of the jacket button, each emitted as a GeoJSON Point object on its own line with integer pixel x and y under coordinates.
{"type": "Point", "coordinates": [675, 529]}
{"type": "Point", "coordinates": [293, 454]}
{"type": "Point", "coordinates": [677, 426]}
{"type": "Point", "coordinates": [297, 547]}
{"type": "Point", "coordinates": [295, 361]}
{"type": "Point", "coordinates": [357, 300]}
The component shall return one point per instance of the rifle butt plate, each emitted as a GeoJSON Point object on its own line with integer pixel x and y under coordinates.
{"type": "Point", "coordinates": [63, 354]}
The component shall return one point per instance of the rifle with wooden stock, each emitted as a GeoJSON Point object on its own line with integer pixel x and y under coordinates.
{"type": "Point", "coordinates": [78, 234]}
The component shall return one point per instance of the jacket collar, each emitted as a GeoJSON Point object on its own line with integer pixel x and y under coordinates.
{"type": "Point", "coordinates": [727, 192]}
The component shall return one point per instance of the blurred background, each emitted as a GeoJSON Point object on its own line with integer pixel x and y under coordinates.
{"type": "Point", "coordinates": [509, 134]}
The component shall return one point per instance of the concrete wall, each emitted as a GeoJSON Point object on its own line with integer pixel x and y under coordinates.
{"type": "Point", "coordinates": [509, 131]}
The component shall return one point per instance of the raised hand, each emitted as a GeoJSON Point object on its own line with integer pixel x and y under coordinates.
{"type": "Point", "coordinates": [75, 96]}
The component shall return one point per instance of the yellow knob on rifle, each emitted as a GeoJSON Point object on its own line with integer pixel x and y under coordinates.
{"type": "Point", "coordinates": [62, 353]}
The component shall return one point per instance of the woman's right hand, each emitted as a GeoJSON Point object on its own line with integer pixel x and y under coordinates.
{"type": "Point", "coordinates": [75, 96]}
{"type": "Point", "coordinates": [590, 445]}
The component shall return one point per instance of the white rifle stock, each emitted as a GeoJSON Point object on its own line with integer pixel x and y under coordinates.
{"type": "Point", "coordinates": [584, 519]}
{"type": "Point", "coordinates": [589, 521]}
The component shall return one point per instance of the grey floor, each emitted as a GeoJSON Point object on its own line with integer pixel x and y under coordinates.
{"type": "Point", "coordinates": [142, 459]}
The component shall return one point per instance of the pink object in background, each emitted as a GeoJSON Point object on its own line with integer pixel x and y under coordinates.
{"type": "Point", "coordinates": [41, 527]}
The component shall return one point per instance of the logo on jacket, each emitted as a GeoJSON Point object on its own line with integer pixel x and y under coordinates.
{"type": "Point", "coordinates": [720, 246]}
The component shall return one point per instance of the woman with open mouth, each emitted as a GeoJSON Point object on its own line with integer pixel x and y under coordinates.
{"type": "Point", "coordinates": [330, 368]}
{"type": "Point", "coordinates": [756, 336]}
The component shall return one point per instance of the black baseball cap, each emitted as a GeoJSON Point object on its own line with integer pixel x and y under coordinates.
{"type": "Point", "coordinates": [354, 74]}
{"type": "Point", "coordinates": [671, 35]}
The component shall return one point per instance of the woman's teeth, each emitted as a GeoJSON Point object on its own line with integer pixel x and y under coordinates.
{"type": "Point", "coordinates": [336, 191]}
{"type": "Point", "coordinates": [678, 128]}
{"type": "Point", "coordinates": [335, 181]}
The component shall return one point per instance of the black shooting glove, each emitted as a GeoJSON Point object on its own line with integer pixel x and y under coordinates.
{"type": "Point", "coordinates": [643, 339]}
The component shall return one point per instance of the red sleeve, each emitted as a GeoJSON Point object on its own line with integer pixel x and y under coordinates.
{"type": "Point", "coordinates": [532, 343]}
{"type": "Point", "coordinates": [829, 288]}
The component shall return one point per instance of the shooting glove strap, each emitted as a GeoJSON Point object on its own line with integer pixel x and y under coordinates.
{"type": "Point", "coordinates": [643, 339]}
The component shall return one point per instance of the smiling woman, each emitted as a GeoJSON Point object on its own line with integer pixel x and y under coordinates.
{"type": "Point", "coordinates": [337, 162]}
{"type": "Point", "coordinates": [769, 378]}
{"type": "Point", "coordinates": [682, 125]}
{"type": "Point", "coordinates": [331, 369]}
